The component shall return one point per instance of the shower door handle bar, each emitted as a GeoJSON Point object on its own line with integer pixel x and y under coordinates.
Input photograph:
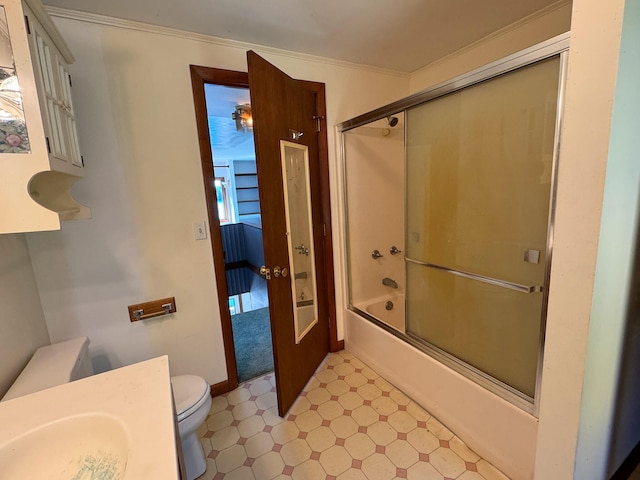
{"type": "Point", "coordinates": [480, 278]}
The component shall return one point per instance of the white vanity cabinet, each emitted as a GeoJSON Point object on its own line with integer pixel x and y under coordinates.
{"type": "Point", "coordinates": [39, 155]}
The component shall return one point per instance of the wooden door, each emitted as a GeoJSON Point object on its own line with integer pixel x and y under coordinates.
{"type": "Point", "coordinates": [282, 109]}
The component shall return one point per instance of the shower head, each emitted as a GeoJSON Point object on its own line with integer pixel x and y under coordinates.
{"type": "Point", "coordinates": [393, 121]}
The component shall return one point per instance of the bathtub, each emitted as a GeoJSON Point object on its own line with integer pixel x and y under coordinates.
{"type": "Point", "coordinates": [394, 317]}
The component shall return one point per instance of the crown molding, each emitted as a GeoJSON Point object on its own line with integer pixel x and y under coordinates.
{"type": "Point", "coordinates": [199, 37]}
{"type": "Point", "coordinates": [41, 15]}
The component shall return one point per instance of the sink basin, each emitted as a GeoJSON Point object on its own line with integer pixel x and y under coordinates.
{"type": "Point", "coordinates": [91, 446]}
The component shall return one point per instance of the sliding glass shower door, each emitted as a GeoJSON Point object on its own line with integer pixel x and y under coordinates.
{"type": "Point", "coordinates": [478, 187]}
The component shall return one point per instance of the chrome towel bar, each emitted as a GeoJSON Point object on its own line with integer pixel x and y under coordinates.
{"type": "Point", "coordinates": [480, 278]}
{"type": "Point", "coordinates": [154, 308]}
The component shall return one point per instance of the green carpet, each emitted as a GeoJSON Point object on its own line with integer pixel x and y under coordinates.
{"type": "Point", "coordinates": [252, 340]}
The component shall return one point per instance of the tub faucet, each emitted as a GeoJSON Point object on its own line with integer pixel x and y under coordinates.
{"type": "Point", "coordinates": [389, 282]}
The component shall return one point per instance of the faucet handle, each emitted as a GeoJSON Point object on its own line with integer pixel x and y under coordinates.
{"type": "Point", "coordinates": [394, 250]}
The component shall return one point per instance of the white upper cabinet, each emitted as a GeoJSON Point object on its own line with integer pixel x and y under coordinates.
{"type": "Point", "coordinates": [54, 85]}
{"type": "Point", "coordinates": [39, 155]}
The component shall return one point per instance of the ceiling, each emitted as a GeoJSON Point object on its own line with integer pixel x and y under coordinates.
{"type": "Point", "coordinates": [227, 143]}
{"type": "Point", "coordinates": [400, 35]}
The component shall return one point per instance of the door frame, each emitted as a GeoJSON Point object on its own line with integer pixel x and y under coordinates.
{"type": "Point", "coordinates": [201, 75]}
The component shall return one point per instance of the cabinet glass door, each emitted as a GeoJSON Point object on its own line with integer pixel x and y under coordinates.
{"type": "Point", "coordinates": [13, 129]}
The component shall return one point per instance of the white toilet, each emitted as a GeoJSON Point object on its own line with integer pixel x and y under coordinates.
{"type": "Point", "coordinates": [53, 365]}
{"type": "Point", "coordinates": [192, 397]}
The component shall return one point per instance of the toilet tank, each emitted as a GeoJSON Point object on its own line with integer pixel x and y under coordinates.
{"type": "Point", "coordinates": [53, 365]}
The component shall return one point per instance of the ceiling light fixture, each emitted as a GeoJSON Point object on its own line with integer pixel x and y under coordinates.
{"type": "Point", "coordinates": [242, 117]}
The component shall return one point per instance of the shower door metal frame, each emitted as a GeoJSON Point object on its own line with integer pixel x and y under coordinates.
{"type": "Point", "coordinates": [556, 46]}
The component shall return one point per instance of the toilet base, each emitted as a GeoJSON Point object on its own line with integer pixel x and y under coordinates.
{"type": "Point", "coordinates": [194, 462]}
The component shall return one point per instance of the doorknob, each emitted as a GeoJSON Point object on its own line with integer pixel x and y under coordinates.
{"type": "Point", "coordinates": [277, 271]}
{"type": "Point", "coordinates": [265, 272]}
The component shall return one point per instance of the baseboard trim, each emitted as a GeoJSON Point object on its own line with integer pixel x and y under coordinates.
{"type": "Point", "coordinates": [337, 346]}
{"type": "Point", "coordinates": [629, 465]}
{"type": "Point", "coordinates": [220, 388]}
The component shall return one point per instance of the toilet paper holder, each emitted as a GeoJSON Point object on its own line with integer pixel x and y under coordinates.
{"type": "Point", "coordinates": [152, 309]}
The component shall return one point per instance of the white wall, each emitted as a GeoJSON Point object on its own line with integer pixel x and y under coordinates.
{"type": "Point", "coordinates": [609, 410]}
{"type": "Point", "coordinates": [22, 324]}
{"type": "Point", "coordinates": [593, 60]}
{"type": "Point", "coordinates": [132, 93]}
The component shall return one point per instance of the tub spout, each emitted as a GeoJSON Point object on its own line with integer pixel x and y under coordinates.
{"type": "Point", "coordinates": [389, 282]}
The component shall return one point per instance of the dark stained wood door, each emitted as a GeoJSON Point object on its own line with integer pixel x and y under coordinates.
{"type": "Point", "coordinates": [281, 104]}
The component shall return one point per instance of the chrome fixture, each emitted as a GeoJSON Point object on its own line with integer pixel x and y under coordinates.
{"type": "Point", "coordinates": [154, 308]}
{"type": "Point", "coordinates": [393, 121]}
{"type": "Point", "coordinates": [295, 135]}
{"type": "Point", "coordinates": [242, 117]}
{"type": "Point", "coordinates": [376, 254]}
{"type": "Point", "coordinates": [302, 250]}
{"type": "Point", "coordinates": [389, 282]}
{"type": "Point", "coordinates": [394, 250]}
{"type": "Point", "coordinates": [481, 278]}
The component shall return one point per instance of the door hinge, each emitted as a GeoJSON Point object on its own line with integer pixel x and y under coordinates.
{"type": "Point", "coordinates": [26, 24]}
{"type": "Point", "coordinates": [82, 160]}
{"type": "Point", "coordinates": [318, 119]}
{"type": "Point", "coordinates": [48, 145]}
{"type": "Point", "coordinates": [69, 76]}
{"type": "Point", "coordinates": [324, 229]}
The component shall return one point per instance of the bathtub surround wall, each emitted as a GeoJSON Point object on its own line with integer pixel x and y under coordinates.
{"type": "Point", "coordinates": [22, 324]}
{"type": "Point", "coordinates": [375, 199]}
{"type": "Point", "coordinates": [389, 310]}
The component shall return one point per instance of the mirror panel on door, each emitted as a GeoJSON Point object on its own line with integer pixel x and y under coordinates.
{"type": "Point", "coordinates": [297, 194]}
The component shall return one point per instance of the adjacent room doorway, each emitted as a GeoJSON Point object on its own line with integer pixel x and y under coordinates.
{"type": "Point", "coordinates": [238, 208]}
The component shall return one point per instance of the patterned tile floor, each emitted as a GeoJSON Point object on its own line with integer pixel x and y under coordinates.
{"type": "Point", "coordinates": [348, 424]}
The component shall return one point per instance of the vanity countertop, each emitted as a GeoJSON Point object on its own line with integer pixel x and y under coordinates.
{"type": "Point", "coordinates": [137, 396]}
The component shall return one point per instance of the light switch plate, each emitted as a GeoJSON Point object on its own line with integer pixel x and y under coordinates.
{"type": "Point", "coordinates": [200, 230]}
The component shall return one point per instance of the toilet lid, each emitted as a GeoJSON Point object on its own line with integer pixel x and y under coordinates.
{"type": "Point", "coordinates": [189, 393]}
